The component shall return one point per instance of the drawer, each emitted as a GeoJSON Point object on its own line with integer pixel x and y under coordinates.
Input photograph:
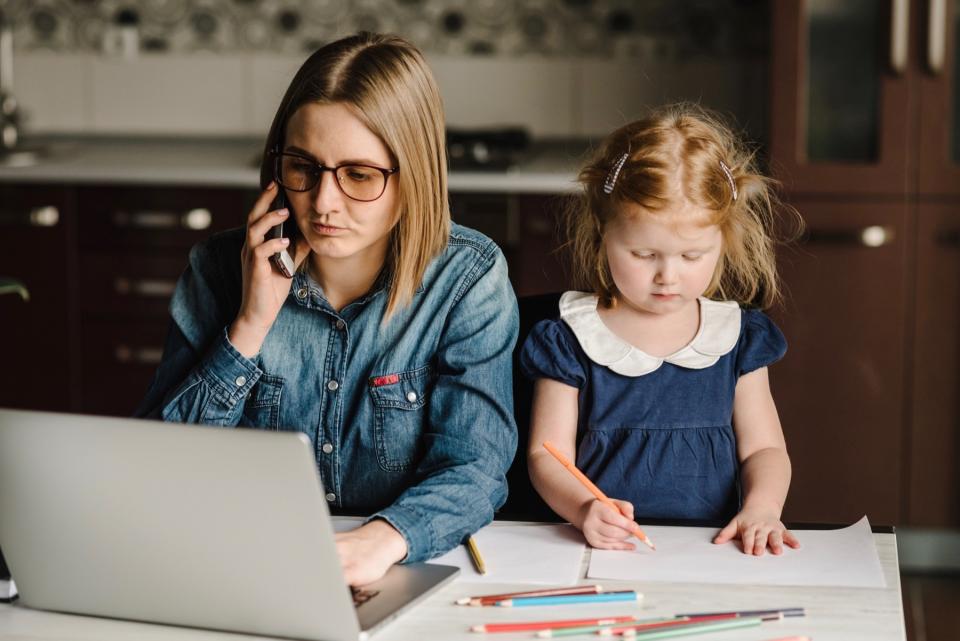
{"type": "Point", "coordinates": [157, 218]}
{"type": "Point", "coordinates": [134, 285]}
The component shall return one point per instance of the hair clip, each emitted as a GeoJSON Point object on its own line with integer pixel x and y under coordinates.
{"type": "Point", "coordinates": [729, 175]}
{"type": "Point", "coordinates": [611, 180]}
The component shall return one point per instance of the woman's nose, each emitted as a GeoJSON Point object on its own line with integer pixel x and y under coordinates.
{"type": "Point", "coordinates": [328, 196]}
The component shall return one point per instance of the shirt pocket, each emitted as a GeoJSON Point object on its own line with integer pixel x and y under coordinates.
{"type": "Point", "coordinates": [399, 400]}
{"type": "Point", "coordinates": [262, 407]}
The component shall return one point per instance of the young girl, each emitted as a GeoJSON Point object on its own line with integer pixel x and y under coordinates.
{"type": "Point", "coordinates": [656, 378]}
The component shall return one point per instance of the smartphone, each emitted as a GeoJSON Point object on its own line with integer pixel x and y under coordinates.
{"type": "Point", "coordinates": [283, 259]}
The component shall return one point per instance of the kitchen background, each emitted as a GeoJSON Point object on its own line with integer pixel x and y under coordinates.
{"type": "Point", "coordinates": [136, 129]}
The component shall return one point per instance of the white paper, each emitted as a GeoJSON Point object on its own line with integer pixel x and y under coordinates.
{"type": "Point", "coordinates": [548, 554]}
{"type": "Point", "coordinates": [845, 557]}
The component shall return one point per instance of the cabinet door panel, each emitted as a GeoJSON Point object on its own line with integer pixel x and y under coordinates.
{"type": "Point", "coordinates": [536, 266]}
{"type": "Point", "coordinates": [934, 428]}
{"type": "Point", "coordinates": [36, 225]}
{"type": "Point", "coordinates": [939, 88]}
{"type": "Point", "coordinates": [839, 120]}
{"type": "Point", "coordinates": [839, 389]}
{"type": "Point", "coordinates": [138, 285]}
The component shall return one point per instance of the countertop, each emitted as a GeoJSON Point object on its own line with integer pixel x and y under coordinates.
{"type": "Point", "coordinates": [548, 166]}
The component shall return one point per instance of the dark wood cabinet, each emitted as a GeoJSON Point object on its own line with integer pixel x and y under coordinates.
{"type": "Point", "coordinates": [38, 228]}
{"type": "Point", "coordinates": [867, 145]}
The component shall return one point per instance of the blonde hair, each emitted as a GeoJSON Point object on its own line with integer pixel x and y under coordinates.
{"type": "Point", "coordinates": [386, 83]}
{"type": "Point", "coordinates": [679, 152]}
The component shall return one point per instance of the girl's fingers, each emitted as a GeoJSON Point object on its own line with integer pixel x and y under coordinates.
{"type": "Point", "coordinates": [726, 533]}
{"type": "Point", "coordinates": [262, 204]}
{"type": "Point", "coordinates": [775, 542]}
{"type": "Point", "coordinates": [613, 532]}
{"type": "Point", "coordinates": [790, 539]}
{"type": "Point", "coordinates": [747, 538]}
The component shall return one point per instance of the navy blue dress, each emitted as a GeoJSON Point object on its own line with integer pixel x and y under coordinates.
{"type": "Point", "coordinates": [656, 432]}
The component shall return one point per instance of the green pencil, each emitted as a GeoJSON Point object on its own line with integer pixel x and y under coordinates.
{"type": "Point", "coordinates": [666, 633]}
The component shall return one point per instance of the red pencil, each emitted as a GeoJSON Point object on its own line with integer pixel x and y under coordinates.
{"type": "Point", "coordinates": [490, 599]}
{"type": "Point", "coordinates": [546, 625]}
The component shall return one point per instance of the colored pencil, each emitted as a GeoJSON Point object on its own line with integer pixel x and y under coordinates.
{"type": "Point", "coordinates": [565, 599]}
{"type": "Point", "coordinates": [629, 629]}
{"type": "Point", "coordinates": [596, 491]}
{"type": "Point", "coordinates": [490, 599]}
{"type": "Point", "coordinates": [545, 625]}
{"type": "Point", "coordinates": [474, 552]}
{"type": "Point", "coordinates": [655, 621]}
{"type": "Point", "coordinates": [787, 612]}
{"type": "Point", "coordinates": [658, 630]}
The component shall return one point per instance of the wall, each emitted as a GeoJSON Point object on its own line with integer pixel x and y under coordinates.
{"type": "Point", "coordinates": [218, 67]}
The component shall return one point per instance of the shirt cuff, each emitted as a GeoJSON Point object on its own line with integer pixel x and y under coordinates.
{"type": "Point", "coordinates": [230, 374]}
{"type": "Point", "coordinates": [413, 527]}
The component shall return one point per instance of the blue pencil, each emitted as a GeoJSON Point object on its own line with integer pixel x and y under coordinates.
{"type": "Point", "coordinates": [600, 597]}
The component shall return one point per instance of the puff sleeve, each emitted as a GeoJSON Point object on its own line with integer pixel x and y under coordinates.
{"type": "Point", "coordinates": [550, 351]}
{"type": "Point", "coordinates": [761, 343]}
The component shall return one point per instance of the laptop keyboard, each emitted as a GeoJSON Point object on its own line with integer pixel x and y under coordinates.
{"type": "Point", "coordinates": [361, 596]}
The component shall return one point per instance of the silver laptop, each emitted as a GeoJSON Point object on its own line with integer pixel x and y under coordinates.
{"type": "Point", "coordinates": [215, 528]}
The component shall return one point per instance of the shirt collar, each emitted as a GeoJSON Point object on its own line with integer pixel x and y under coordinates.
{"type": "Point", "coordinates": [718, 333]}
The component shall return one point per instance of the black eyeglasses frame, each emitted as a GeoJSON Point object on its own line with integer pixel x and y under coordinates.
{"type": "Point", "coordinates": [278, 159]}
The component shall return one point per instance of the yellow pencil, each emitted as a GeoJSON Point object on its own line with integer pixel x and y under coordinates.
{"type": "Point", "coordinates": [475, 555]}
{"type": "Point", "coordinates": [596, 491]}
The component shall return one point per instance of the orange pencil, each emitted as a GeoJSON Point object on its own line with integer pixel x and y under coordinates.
{"type": "Point", "coordinates": [587, 483]}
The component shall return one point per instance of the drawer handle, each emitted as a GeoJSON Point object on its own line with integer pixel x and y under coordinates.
{"type": "Point", "coordinates": [195, 219]}
{"type": "Point", "coordinates": [936, 35]}
{"type": "Point", "coordinates": [10, 286]}
{"type": "Point", "coordinates": [43, 216]}
{"type": "Point", "coordinates": [139, 355]}
{"type": "Point", "coordinates": [872, 236]}
{"type": "Point", "coordinates": [899, 34]}
{"type": "Point", "coordinates": [160, 288]}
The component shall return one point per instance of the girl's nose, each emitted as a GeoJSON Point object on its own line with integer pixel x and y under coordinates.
{"type": "Point", "coordinates": [666, 272]}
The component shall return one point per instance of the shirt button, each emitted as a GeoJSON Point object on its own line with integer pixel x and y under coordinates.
{"type": "Point", "coordinates": [241, 381]}
{"type": "Point", "coordinates": [302, 292]}
{"type": "Point", "coordinates": [340, 324]}
{"type": "Point", "coordinates": [333, 386]}
{"type": "Point", "coordinates": [327, 448]}
{"type": "Point", "coordinates": [411, 396]}
{"type": "Point", "coordinates": [331, 497]}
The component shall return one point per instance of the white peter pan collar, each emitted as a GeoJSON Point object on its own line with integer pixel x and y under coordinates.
{"type": "Point", "coordinates": [718, 333]}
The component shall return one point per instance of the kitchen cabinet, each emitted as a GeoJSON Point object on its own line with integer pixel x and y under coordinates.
{"type": "Point", "coordinates": [865, 138]}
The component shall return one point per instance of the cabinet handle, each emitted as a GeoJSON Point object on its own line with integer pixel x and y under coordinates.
{"type": "Point", "coordinates": [149, 287]}
{"type": "Point", "coordinates": [139, 355]}
{"type": "Point", "coordinates": [936, 35]}
{"type": "Point", "coordinates": [899, 34]}
{"type": "Point", "coordinates": [194, 219]}
{"type": "Point", "coordinates": [43, 216]}
{"type": "Point", "coordinates": [872, 236]}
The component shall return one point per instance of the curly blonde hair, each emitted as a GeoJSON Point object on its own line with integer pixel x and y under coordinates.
{"type": "Point", "coordinates": [679, 152]}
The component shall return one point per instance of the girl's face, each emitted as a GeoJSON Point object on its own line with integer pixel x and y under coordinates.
{"type": "Point", "coordinates": [334, 225]}
{"type": "Point", "coordinates": [662, 262]}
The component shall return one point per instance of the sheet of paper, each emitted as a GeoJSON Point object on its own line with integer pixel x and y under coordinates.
{"type": "Point", "coordinates": [548, 554]}
{"type": "Point", "coordinates": [845, 557]}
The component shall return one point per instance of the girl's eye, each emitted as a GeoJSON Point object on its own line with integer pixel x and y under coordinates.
{"type": "Point", "coordinates": [692, 257]}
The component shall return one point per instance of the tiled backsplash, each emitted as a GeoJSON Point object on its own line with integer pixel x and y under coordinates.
{"type": "Point", "coordinates": [219, 67]}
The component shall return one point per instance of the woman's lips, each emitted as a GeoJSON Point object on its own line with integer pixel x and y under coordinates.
{"type": "Point", "coordinates": [326, 230]}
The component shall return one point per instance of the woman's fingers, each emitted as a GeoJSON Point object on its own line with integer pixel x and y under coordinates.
{"type": "Point", "coordinates": [257, 232]}
{"type": "Point", "coordinates": [262, 204]}
{"type": "Point", "coordinates": [270, 247]}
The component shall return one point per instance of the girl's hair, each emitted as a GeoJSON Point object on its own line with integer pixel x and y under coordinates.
{"type": "Point", "coordinates": [680, 152]}
{"type": "Point", "coordinates": [386, 83]}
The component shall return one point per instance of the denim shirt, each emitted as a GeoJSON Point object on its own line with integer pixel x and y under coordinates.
{"type": "Point", "coordinates": [411, 421]}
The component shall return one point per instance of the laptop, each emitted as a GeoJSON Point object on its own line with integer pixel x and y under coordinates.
{"type": "Point", "coordinates": [225, 529]}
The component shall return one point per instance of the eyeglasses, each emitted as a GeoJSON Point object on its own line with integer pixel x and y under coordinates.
{"type": "Point", "coordinates": [363, 183]}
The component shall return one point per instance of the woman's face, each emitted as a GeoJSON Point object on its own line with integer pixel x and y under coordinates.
{"type": "Point", "coordinates": [334, 225]}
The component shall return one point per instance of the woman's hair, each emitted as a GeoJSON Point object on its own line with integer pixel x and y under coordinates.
{"type": "Point", "coordinates": [680, 152]}
{"type": "Point", "coordinates": [386, 83]}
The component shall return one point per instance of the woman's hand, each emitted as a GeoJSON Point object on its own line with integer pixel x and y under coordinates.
{"type": "Point", "coordinates": [758, 530]}
{"type": "Point", "coordinates": [264, 288]}
{"type": "Point", "coordinates": [606, 528]}
{"type": "Point", "coordinates": [368, 552]}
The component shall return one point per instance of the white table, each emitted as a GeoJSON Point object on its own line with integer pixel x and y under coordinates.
{"type": "Point", "coordinates": [833, 614]}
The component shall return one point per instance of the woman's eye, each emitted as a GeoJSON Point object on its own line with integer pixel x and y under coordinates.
{"type": "Point", "coordinates": [644, 255]}
{"type": "Point", "coordinates": [302, 167]}
{"type": "Point", "coordinates": [358, 175]}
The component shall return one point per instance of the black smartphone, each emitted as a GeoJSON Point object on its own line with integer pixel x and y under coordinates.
{"type": "Point", "coordinates": [283, 259]}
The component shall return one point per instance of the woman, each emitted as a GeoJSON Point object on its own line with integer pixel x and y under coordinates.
{"type": "Point", "coordinates": [390, 347]}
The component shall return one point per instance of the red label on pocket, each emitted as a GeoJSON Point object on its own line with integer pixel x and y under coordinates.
{"type": "Point", "coordinates": [380, 381]}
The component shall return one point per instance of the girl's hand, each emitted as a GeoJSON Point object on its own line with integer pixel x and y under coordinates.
{"type": "Point", "coordinates": [368, 552]}
{"type": "Point", "coordinates": [758, 530]}
{"type": "Point", "coordinates": [606, 528]}
{"type": "Point", "coordinates": [264, 288]}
